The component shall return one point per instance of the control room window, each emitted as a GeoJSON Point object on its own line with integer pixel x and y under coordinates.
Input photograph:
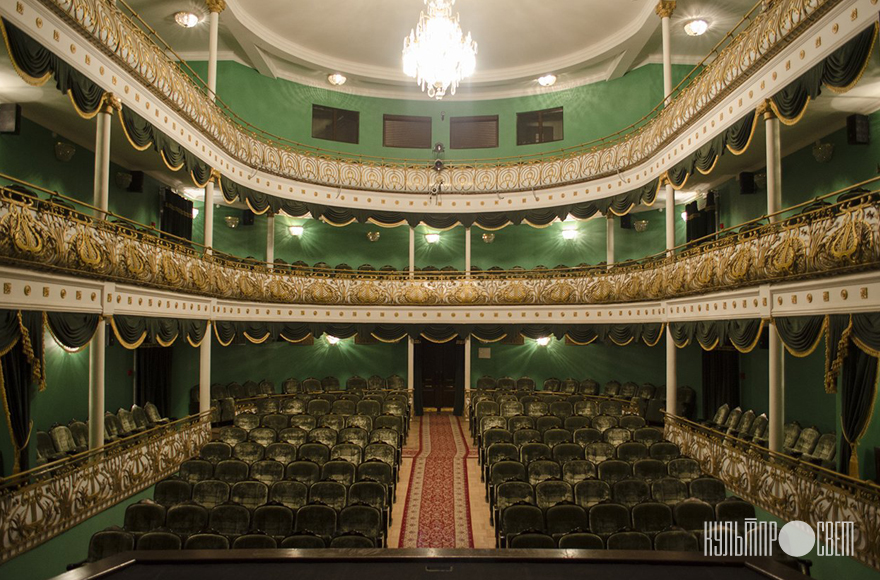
{"type": "Point", "coordinates": [335, 124]}
{"type": "Point", "coordinates": [539, 126]}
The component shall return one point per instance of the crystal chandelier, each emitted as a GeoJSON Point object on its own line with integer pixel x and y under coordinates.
{"type": "Point", "coordinates": [436, 53]}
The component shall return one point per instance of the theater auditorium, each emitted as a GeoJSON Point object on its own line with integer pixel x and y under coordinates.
{"type": "Point", "coordinates": [439, 289]}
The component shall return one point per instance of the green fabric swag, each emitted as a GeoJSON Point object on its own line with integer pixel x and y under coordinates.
{"type": "Point", "coordinates": [133, 331]}
{"type": "Point", "coordinates": [735, 138]}
{"type": "Point", "coordinates": [72, 330]}
{"type": "Point", "coordinates": [35, 64]}
{"type": "Point", "coordinates": [839, 72]}
{"type": "Point", "coordinates": [743, 334]}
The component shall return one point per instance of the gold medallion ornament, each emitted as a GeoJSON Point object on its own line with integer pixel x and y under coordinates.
{"type": "Point", "coordinates": [516, 293]}
{"type": "Point", "coordinates": [560, 293]}
{"type": "Point", "coordinates": [418, 294]}
{"type": "Point", "coordinates": [368, 293]}
{"type": "Point", "coordinates": [467, 294]}
{"type": "Point", "coordinates": [26, 233]}
{"type": "Point", "coordinates": [171, 269]}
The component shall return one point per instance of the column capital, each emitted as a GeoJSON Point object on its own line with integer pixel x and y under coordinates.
{"type": "Point", "coordinates": [664, 8]}
{"type": "Point", "coordinates": [765, 110]}
{"type": "Point", "coordinates": [109, 104]}
{"type": "Point", "coordinates": [217, 6]}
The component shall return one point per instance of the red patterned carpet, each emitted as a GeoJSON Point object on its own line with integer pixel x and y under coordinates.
{"type": "Point", "coordinates": [437, 511]}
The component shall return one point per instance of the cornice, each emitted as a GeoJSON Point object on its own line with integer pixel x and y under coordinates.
{"type": "Point", "coordinates": [616, 169]}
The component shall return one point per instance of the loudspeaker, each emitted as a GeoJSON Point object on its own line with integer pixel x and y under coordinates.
{"type": "Point", "coordinates": [626, 222]}
{"type": "Point", "coordinates": [747, 183]}
{"type": "Point", "coordinates": [858, 130]}
{"type": "Point", "coordinates": [10, 119]}
{"type": "Point", "coordinates": [247, 217]}
{"type": "Point", "coordinates": [137, 182]}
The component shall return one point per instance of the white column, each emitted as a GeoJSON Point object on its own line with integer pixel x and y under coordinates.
{"type": "Point", "coordinates": [670, 218]}
{"type": "Point", "coordinates": [467, 363]}
{"type": "Point", "coordinates": [209, 214]}
{"type": "Point", "coordinates": [467, 253]}
{"type": "Point", "coordinates": [609, 238]}
{"type": "Point", "coordinates": [96, 386]}
{"type": "Point", "coordinates": [215, 7]}
{"type": "Point", "coordinates": [664, 10]}
{"type": "Point", "coordinates": [205, 371]}
{"type": "Point", "coordinates": [102, 155]}
{"type": "Point", "coordinates": [774, 165]}
{"type": "Point", "coordinates": [777, 391]}
{"type": "Point", "coordinates": [671, 375]}
{"type": "Point", "coordinates": [270, 237]}
{"type": "Point", "coordinates": [412, 251]}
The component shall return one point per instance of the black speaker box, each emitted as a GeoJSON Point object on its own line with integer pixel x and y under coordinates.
{"type": "Point", "coordinates": [10, 119]}
{"type": "Point", "coordinates": [626, 222]}
{"type": "Point", "coordinates": [247, 217]}
{"type": "Point", "coordinates": [858, 130]}
{"type": "Point", "coordinates": [137, 182]}
{"type": "Point", "coordinates": [747, 184]}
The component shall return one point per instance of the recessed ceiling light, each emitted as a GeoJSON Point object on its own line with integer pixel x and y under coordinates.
{"type": "Point", "coordinates": [336, 79]}
{"type": "Point", "coordinates": [696, 27]}
{"type": "Point", "coordinates": [547, 80]}
{"type": "Point", "coordinates": [187, 19]}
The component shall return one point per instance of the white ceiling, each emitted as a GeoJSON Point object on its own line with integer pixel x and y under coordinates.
{"type": "Point", "coordinates": [581, 41]}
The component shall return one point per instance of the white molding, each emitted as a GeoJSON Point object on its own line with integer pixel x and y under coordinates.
{"type": "Point", "coordinates": [845, 294]}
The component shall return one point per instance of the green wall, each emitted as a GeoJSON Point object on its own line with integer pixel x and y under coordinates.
{"type": "Point", "coordinates": [30, 156]}
{"type": "Point", "coordinates": [590, 112]}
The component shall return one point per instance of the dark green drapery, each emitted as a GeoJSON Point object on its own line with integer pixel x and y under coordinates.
{"type": "Point", "coordinates": [800, 334]}
{"type": "Point", "coordinates": [839, 72]}
{"type": "Point", "coordinates": [237, 332]}
{"type": "Point", "coordinates": [73, 330]}
{"type": "Point", "coordinates": [742, 333]}
{"type": "Point", "coordinates": [858, 391]}
{"type": "Point", "coordinates": [142, 135]}
{"type": "Point", "coordinates": [735, 138]}
{"type": "Point", "coordinates": [177, 216]}
{"type": "Point", "coordinates": [133, 331]}
{"type": "Point", "coordinates": [36, 64]}
{"type": "Point", "coordinates": [21, 366]}
{"type": "Point", "coordinates": [153, 377]}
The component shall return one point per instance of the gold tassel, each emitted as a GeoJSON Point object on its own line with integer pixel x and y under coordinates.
{"type": "Point", "coordinates": [854, 460]}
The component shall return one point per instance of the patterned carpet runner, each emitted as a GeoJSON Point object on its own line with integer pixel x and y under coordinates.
{"type": "Point", "coordinates": [437, 512]}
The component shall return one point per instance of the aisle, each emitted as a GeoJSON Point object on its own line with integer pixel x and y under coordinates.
{"type": "Point", "coordinates": [437, 507]}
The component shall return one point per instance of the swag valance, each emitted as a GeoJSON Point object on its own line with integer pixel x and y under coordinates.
{"type": "Point", "coordinates": [229, 332]}
{"type": "Point", "coordinates": [840, 71]}
{"type": "Point", "coordinates": [743, 334]}
{"type": "Point", "coordinates": [133, 331]}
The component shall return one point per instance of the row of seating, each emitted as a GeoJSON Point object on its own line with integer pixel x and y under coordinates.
{"type": "Point", "coordinates": [621, 527]}
{"type": "Point", "coordinates": [550, 406]}
{"type": "Point", "coordinates": [374, 383]}
{"type": "Point", "coordinates": [807, 444]}
{"type": "Point", "coordinates": [522, 429]}
{"type": "Point", "coordinates": [64, 440]}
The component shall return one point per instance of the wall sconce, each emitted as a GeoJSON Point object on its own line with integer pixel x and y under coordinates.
{"type": "Point", "coordinates": [432, 238]}
{"type": "Point", "coordinates": [640, 225]}
{"type": "Point", "coordinates": [488, 238]}
{"type": "Point", "coordinates": [684, 216]}
{"type": "Point", "coordinates": [543, 341]}
{"type": "Point", "coordinates": [823, 152]}
{"type": "Point", "coordinates": [332, 340]}
{"type": "Point", "coordinates": [64, 151]}
{"type": "Point", "coordinates": [123, 179]}
{"type": "Point", "coordinates": [296, 231]}
{"type": "Point", "coordinates": [195, 212]}
{"type": "Point", "coordinates": [569, 234]}
{"type": "Point", "coordinates": [231, 221]}
{"type": "Point", "coordinates": [373, 236]}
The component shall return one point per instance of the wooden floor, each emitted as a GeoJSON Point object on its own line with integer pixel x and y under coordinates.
{"type": "Point", "coordinates": [483, 533]}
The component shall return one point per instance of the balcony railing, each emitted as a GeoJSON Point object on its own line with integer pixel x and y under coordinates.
{"type": "Point", "coordinates": [39, 504]}
{"type": "Point", "coordinates": [818, 239]}
{"type": "Point", "coordinates": [135, 46]}
{"type": "Point", "coordinates": [785, 486]}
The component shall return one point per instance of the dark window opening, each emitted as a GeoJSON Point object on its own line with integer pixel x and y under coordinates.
{"type": "Point", "coordinates": [335, 124]}
{"type": "Point", "coordinates": [406, 131]}
{"type": "Point", "coordinates": [539, 126]}
{"type": "Point", "coordinates": [473, 132]}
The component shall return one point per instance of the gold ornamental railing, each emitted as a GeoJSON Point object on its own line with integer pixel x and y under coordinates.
{"type": "Point", "coordinates": [761, 34]}
{"type": "Point", "coordinates": [785, 486]}
{"type": "Point", "coordinates": [39, 504]}
{"type": "Point", "coordinates": [823, 237]}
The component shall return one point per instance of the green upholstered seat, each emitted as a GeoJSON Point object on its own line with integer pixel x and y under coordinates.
{"type": "Point", "coordinates": [231, 471]}
{"type": "Point", "coordinates": [291, 494]}
{"type": "Point", "coordinates": [273, 520]}
{"type": "Point", "coordinates": [109, 542]}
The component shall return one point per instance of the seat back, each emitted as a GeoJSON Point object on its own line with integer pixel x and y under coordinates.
{"type": "Point", "coordinates": [608, 518]}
